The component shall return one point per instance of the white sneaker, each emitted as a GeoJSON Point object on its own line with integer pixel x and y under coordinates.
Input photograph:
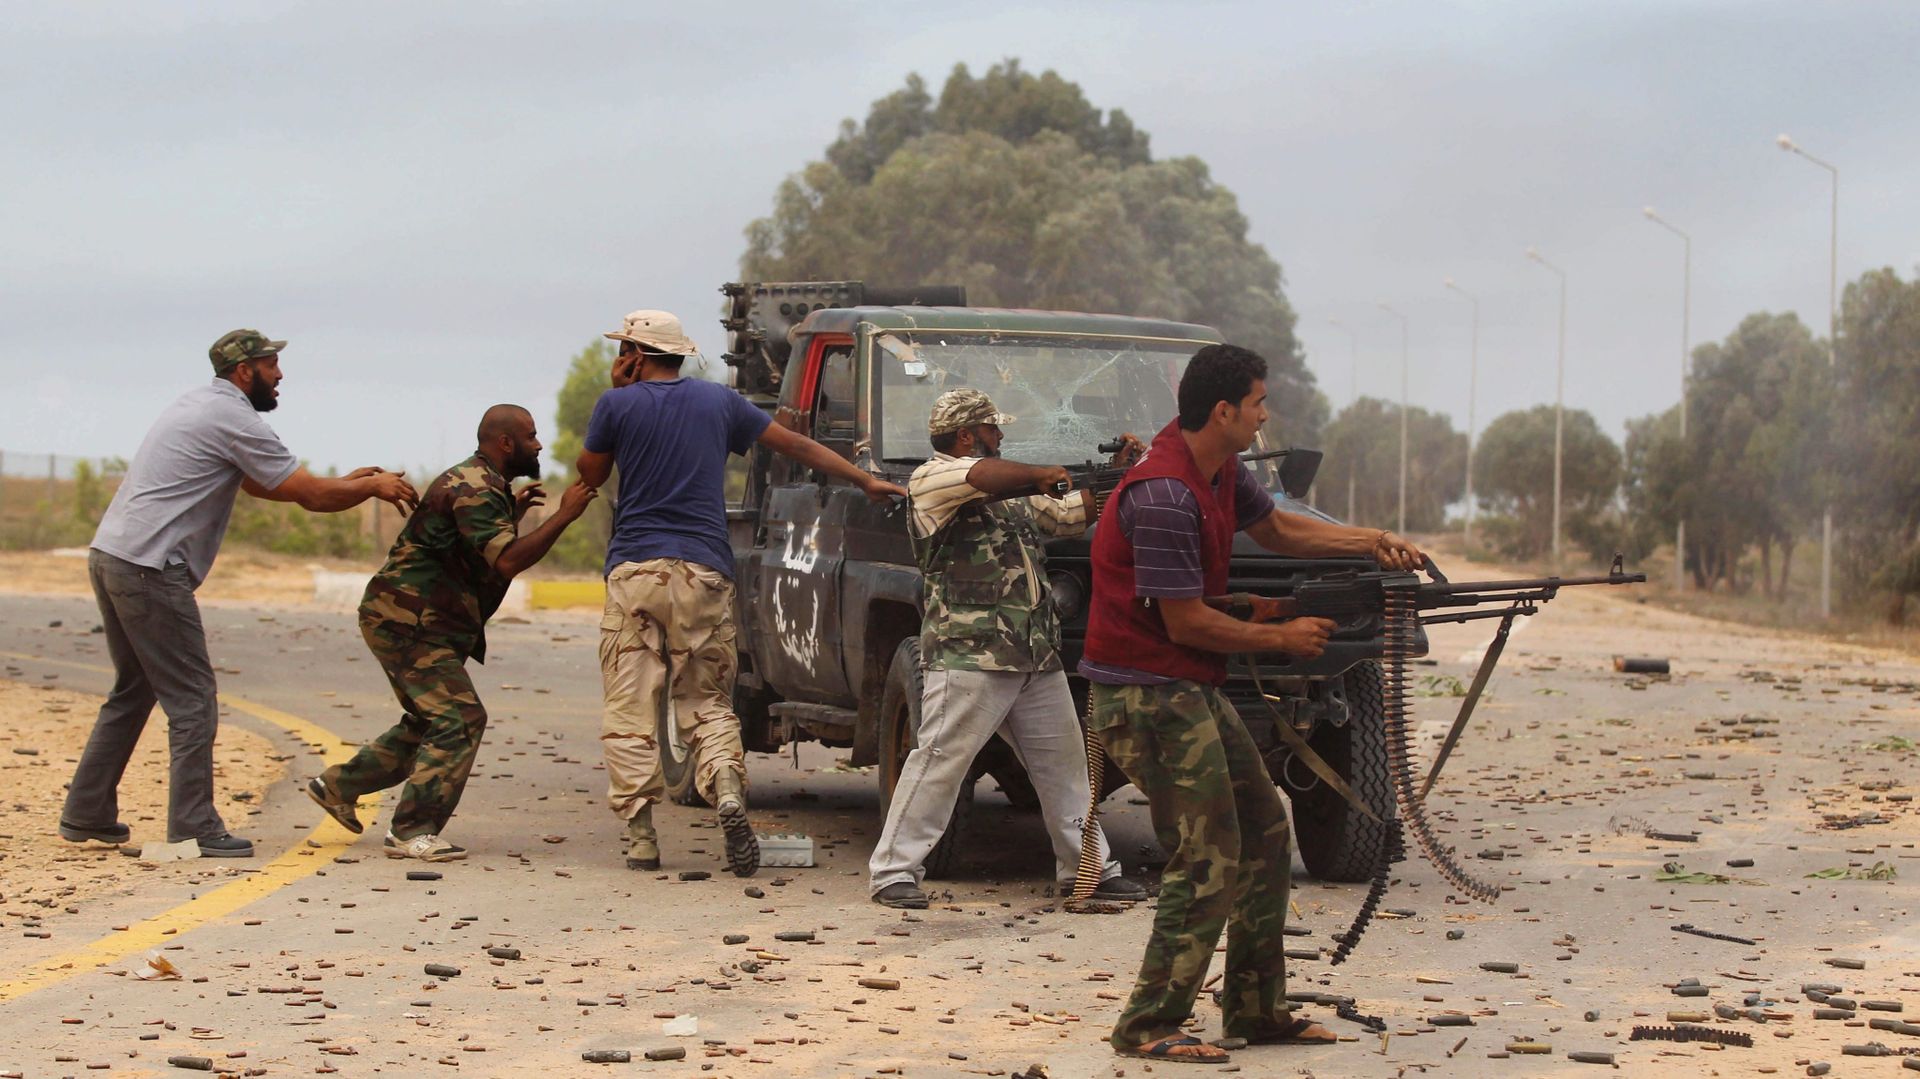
{"type": "Point", "coordinates": [427, 848]}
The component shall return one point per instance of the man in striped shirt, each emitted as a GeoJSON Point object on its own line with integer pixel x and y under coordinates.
{"type": "Point", "coordinates": [990, 647]}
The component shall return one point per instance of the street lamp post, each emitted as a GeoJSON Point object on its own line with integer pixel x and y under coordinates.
{"type": "Point", "coordinates": [1833, 340]}
{"type": "Point", "coordinates": [1353, 395]}
{"type": "Point", "coordinates": [1686, 344]}
{"type": "Point", "coordinates": [1401, 523]}
{"type": "Point", "coordinates": [1559, 398]}
{"type": "Point", "coordinates": [1473, 383]}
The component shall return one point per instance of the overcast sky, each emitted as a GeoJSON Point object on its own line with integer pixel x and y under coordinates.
{"type": "Point", "coordinates": [439, 203]}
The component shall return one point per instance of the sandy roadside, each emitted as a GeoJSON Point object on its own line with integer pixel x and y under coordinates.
{"type": "Point", "coordinates": [238, 575]}
{"type": "Point", "coordinates": [42, 730]}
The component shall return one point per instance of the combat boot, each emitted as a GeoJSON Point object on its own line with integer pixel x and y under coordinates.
{"type": "Point", "coordinates": [730, 802]}
{"type": "Point", "coordinates": [643, 843]}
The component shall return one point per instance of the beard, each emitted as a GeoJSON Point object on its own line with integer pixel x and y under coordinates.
{"type": "Point", "coordinates": [261, 396]}
{"type": "Point", "coordinates": [523, 464]}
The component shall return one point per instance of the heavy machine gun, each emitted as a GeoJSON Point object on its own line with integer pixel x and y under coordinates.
{"type": "Point", "coordinates": [1403, 603]}
{"type": "Point", "coordinates": [1350, 594]}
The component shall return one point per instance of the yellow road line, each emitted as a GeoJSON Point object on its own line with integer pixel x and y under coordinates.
{"type": "Point", "coordinates": [301, 860]}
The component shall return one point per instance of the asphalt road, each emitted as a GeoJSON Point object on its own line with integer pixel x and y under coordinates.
{"type": "Point", "coordinates": [1753, 741]}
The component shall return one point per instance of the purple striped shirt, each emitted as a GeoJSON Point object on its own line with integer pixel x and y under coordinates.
{"type": "Point", "coordinates": [1161, 518]}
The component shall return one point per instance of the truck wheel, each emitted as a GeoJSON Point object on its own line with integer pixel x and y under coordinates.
{"type": "Point", "coordinates": [676, 760]}
{"type": "Point", "coordinates": [1337, 842]}
{"type": "Point", "coordinates": [1014, 782]}
{"type": "Point", "coordinates": [899, 733]}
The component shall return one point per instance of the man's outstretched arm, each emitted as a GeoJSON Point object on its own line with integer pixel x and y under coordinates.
{"type": "Point", "coordinates": [331, 494]}
{"type": "Point", "coordinates": [821, 459]}
{"type": "Point", "coordinates": [526, 550]}
{"type": "Point", "coordinates": [1301, 536]}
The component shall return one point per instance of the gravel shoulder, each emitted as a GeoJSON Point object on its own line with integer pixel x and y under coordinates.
{"type": "Point", "coordinates": [45, 881]}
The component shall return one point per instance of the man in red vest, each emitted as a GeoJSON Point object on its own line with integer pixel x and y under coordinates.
{"type": "Point", "coordinates": [1157, 643]}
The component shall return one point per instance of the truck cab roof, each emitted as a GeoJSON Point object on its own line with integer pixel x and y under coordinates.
{"type": "Point", "coordinates": [1009, 320]}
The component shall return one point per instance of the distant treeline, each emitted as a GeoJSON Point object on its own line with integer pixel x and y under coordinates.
{"type": "Point", "coordinates": [1775, 434]}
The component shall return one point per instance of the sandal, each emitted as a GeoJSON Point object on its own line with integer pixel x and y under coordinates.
{"type": "Point", "coordinates": [1297, 1032]}
{"type": "Point", "coordinates": [1164, 1049]}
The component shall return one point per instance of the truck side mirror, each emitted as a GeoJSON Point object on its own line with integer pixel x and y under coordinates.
{"type": "Point", "coordinates": [1297, 470]}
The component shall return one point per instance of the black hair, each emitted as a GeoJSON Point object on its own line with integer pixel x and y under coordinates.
{"type": "Point", "coordinates": [668, 360]}
{"type": "Point", "coordinates": [946, 441]}
{"type": "Point", "coordinates": [1217, 373]}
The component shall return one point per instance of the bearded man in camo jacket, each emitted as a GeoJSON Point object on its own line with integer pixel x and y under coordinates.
{"type": "Point", "coordinates": [425, 613]}
{"type": "Point", "coordinates": [990, 647]}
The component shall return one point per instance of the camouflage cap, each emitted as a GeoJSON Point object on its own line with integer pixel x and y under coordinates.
{"type": "Point", "coordinates": [237, 345]}
{"type": "Point", "coordinates": [956, 410]}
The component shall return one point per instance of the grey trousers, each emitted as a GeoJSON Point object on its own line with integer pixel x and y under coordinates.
{"type": "Point", "coordinates": [159, 651]}
{"type": "Point", "coordinates": [959, 712]}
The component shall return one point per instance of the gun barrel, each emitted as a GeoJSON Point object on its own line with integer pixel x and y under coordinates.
{"type": "Point", "coordinates": [1528, 584]}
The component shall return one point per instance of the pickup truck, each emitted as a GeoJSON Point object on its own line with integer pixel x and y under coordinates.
{"type": "Point", "coordinates": [830, 597]}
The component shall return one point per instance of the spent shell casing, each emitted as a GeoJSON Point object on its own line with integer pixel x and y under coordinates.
{"type": "Point", "coordinates": [1585, 1057]}
{"type": "Point", "coordinates": [607, 1056]}
{"type": "Point", "coordinates": [1689, 990]}
{"type": "Point", "coordinates": [1883, 1006]}
{"type": "Point", "coordinates": [442, 970]}
{"type": "Point", "coordinates": [1529, 1047]}
{"type": "Point", "coordinates": [671, 1052]}
{"type": "Point", "coordinates": [1450, 1019]}
{"type": "Point", "coordinates": [1501, 968]}
{"type": "Point", "coordinates": [1897, 1026]}
{"type": "Point", "coordinates": [1832, 1013]}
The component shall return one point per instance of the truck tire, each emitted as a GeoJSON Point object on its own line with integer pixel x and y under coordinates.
{"type": "Point", "coordinates": [1337, 842]}
{"type": "Point", "coordinates": [676, 760]}
{"type": "Point", "coordinates": [1014, 782]}
{"type": "Point", "coordinates": [899, 733]}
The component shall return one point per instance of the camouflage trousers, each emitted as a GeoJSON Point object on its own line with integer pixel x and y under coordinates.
{"type": "Point", "coordinates": [667, 636]}
{"type": "Point", "coordinates": [1224, 827]}
{"type": "Point", "coordinates": [433, 746]}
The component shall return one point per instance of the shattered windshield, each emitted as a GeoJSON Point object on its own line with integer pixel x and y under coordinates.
{"type": "Point", "coordinates": [1066, 394]}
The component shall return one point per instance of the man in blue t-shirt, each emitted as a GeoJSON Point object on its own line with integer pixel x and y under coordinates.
{"type": "Point", "coordinates": [667, 631]}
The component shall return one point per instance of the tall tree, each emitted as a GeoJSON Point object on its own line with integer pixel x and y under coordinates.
{"type": "Point", "coordinates": [1876, 417]}
{"type": "Point", "coordinates": [1014, 185]}
{"type": "Point", "coordinates": [1753, 470]}
{"type": "Point", "coordinates": [1513, 478]}
{"type": "Point", "coordinates": [1363, 444]}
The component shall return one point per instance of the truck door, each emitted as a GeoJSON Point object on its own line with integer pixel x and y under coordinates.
{"type": "Point", "coordinates": [803, 539]}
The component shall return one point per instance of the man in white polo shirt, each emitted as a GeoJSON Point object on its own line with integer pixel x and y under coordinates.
{"type": "Point", "coordinates": [154, 546]}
